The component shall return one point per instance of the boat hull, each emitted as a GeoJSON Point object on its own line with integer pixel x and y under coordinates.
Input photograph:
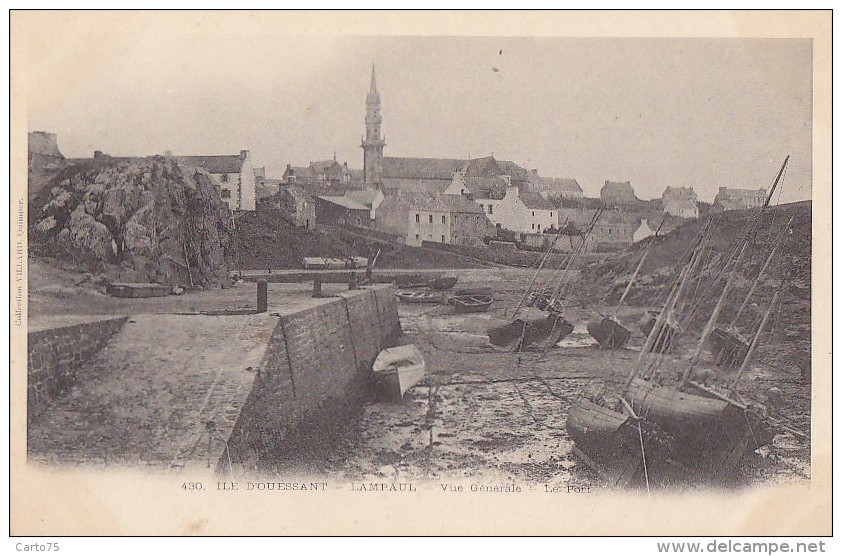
{"type": "Point", "coordinates": [541, 332]}
{"type": "Point", "coordinates": [443, 283]}
{"type": "Point", "coordinates": [665, 339]}
{"type": "Point", "coordinates": [609, 333]}
{"type": "Point", "coordinates": [398, 369]}
{"type": "Point", "coordinates": [470, 303]}
{"type": "Point", "coordinates": [418, 297]}
{"type": "Point", "coordinates": [728, 349]}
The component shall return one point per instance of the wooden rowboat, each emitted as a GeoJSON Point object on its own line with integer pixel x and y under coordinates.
{"type": "Point", "coordinates": [470, 303]}
{"type": "Point", "coordinates": [418, 297]}
{"type": "Point", "coordinates": [398, 369]}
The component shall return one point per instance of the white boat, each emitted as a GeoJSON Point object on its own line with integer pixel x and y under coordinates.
{"type": "Point", "coordinates": [398, 369]}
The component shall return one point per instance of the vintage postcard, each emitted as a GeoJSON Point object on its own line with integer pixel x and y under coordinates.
{"type": "Point", "coordinates": [433, 273]}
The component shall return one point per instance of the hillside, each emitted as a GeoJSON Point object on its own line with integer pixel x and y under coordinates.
{"type": "Point", "coordinates": [787, 340]}
{"type": "Point", "coordinates": [266, 240]}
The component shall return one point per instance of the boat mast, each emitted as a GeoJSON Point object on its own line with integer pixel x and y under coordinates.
{"type": "Point", "coordinates": [756, 337]}
{"type": "Point", "coordinates": [579, 250]}
{"type": "Point", "coordinates": [730, 281]}
{"type": "Point", "coordinates": [535, 276]}
{"type": "Point", "coordinates": [672, 300]}
{"type": "Point", "coordinates": [636, 271]}
{"type": "Point", "coordinates": [756, 282]}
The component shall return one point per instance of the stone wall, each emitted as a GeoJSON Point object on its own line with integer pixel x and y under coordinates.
{"type": "Point", "coordinates": [315, 374]}
{"type": "Point", "coordinates": [56, 355]}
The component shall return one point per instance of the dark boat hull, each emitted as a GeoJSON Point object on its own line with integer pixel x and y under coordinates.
{"type": "Point", "coordinates": [609, 333]}
{"type": "Point", "coordinates": [519, 334]}
{"type": "Point", "coordinates": [728, 349]}
{"type": "Point", "coordinates": [443, 283]}
{"type": "Point", "coordinates": [665, 339]}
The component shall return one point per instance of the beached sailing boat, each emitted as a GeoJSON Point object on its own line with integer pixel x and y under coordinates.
{"type": "Point", "coordinates": [548, 326]}
{"type": "Point", "coordinates": [685, 428]}
{"type": "Point", "coordinates": [608, 331]}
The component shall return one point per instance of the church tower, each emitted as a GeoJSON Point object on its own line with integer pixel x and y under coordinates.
{"type": "Point", "coordinates": [372, 143]}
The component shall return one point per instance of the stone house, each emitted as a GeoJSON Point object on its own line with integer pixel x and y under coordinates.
{"type": "Point", "coordinates": [419, 217]}
{"type": "Point", "coordinates": [680, 202]}
{"type": "Point", "coordinates": [618, 193]}
{"type": "Point", "coordinates": [298, 205]}
{"type": "Point", "coordinates": [232, 174]}
{"type": "Point", "coordinates": [738, 199]}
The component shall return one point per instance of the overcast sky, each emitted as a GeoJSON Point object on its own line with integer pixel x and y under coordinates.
{"type": "Point", "coordinates": [683, 112]}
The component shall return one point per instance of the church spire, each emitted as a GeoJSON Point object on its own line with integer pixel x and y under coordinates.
{"type": "Point", "coordinates": [373, 143]}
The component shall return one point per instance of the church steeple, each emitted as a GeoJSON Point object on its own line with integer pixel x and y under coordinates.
{"type": "Point", "coordinates": [372, 143]}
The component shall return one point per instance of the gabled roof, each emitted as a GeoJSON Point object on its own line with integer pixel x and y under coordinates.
{"type": "Point", "coordinates": [534, 200]}
{"type": "Point", "coordinates": [420, 168]}
{"type": "Point", "coordinates": [344, 201]}
{"type": "Point", "coordinates": [297, 193]}
{"type": "Point", "coordinates": [434, 202]}
{"type": "Point", "coordinates": [562, 184]}
{"type": "Point", "coordinates": [215, 164]}
{"type": "Point", "coordinates": [364, 196]}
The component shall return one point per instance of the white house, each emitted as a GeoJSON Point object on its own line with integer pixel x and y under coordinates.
{"type": "Point", "coordinates": [520, 211]}
{"type": "Point", "coordinates": [233, 174]}
{"type": "Point", "coordinates": [643, 231]}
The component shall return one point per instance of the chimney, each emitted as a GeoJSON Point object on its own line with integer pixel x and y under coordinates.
{"type": "Point", "coordinates": [244, 154]}
{"type": "Point", "coordinates": [97, 155]}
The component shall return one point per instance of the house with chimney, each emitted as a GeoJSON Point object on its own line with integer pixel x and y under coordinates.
{"type": "Point", "coordinates": [518, 210]}
{"type": "Point", "coordinates": [321, 175]}
{"type": "Point", "coordinates": [615, 193]}
{"type": "Point", "coordinates": [738, 199]}
{"type": "Point", "coordinates": [680, 202]}
{"type": "Point", "coordinates": [232, 174]}
{"type": "Point", "coordinates": [440, 218]}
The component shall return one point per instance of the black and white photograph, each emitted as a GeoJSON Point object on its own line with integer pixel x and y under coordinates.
{"type": "Point", "coordinates": [257, 262]}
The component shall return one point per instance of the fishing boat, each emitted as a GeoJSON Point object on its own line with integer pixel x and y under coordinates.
{"type": "Point", "coordinates": [398, 369]}
{"type": "Point", "coordinates": [665, 335]}
{"type": "Point", "coordinates": [542, 324]}
{"type": "Point", "coordinates": [470, 303]}
{"type": "Point", "coordinates": [418, 296]}
{"type": "Point", "coordinates": [441, 283]}
{"type": "Point", "coordinates": [708, 429]}
{"type": "Point", "coordinates": [608, 331]}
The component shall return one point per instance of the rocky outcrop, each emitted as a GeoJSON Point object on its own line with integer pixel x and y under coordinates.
{"type": "Point", "coordinates": [144, 220]}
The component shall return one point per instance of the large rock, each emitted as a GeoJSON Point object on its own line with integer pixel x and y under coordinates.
{"type": "Point", "coordinates": [144, 219]}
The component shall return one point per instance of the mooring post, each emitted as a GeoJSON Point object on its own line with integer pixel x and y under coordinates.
{"type": "Point", "coordinates": [262, 295]}
{"type": "Point", "coordinates": [317, 286]}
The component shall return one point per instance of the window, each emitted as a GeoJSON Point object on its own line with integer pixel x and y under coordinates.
{"type": "Point", "coordinates": [539, 227]}
{"type": "Point", "coordinates": [431, 219]}
{"type": "Point", "coordinates": [551, 214]}
{"type": "Point", "coordinates": [224, 178]}
{"type": "Point", "coordinates": [490, 209]}
{"type": "Point", "coordinates": [417, 218]}
{"type": "Point", "coordinates": [226, 193]}
{"type": "Point", "coordinates": [417, 237]}
{"type": "Point", "coordinates": [442, 239]}
{"type": "Point", "coordinates": [482, 207]}
{"type": "Point", "coordinates": [533, 213]}
{"type": "Point", "coordinates": [443, 219]}
{"type": "Point", "coordinates": [533, 225]}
